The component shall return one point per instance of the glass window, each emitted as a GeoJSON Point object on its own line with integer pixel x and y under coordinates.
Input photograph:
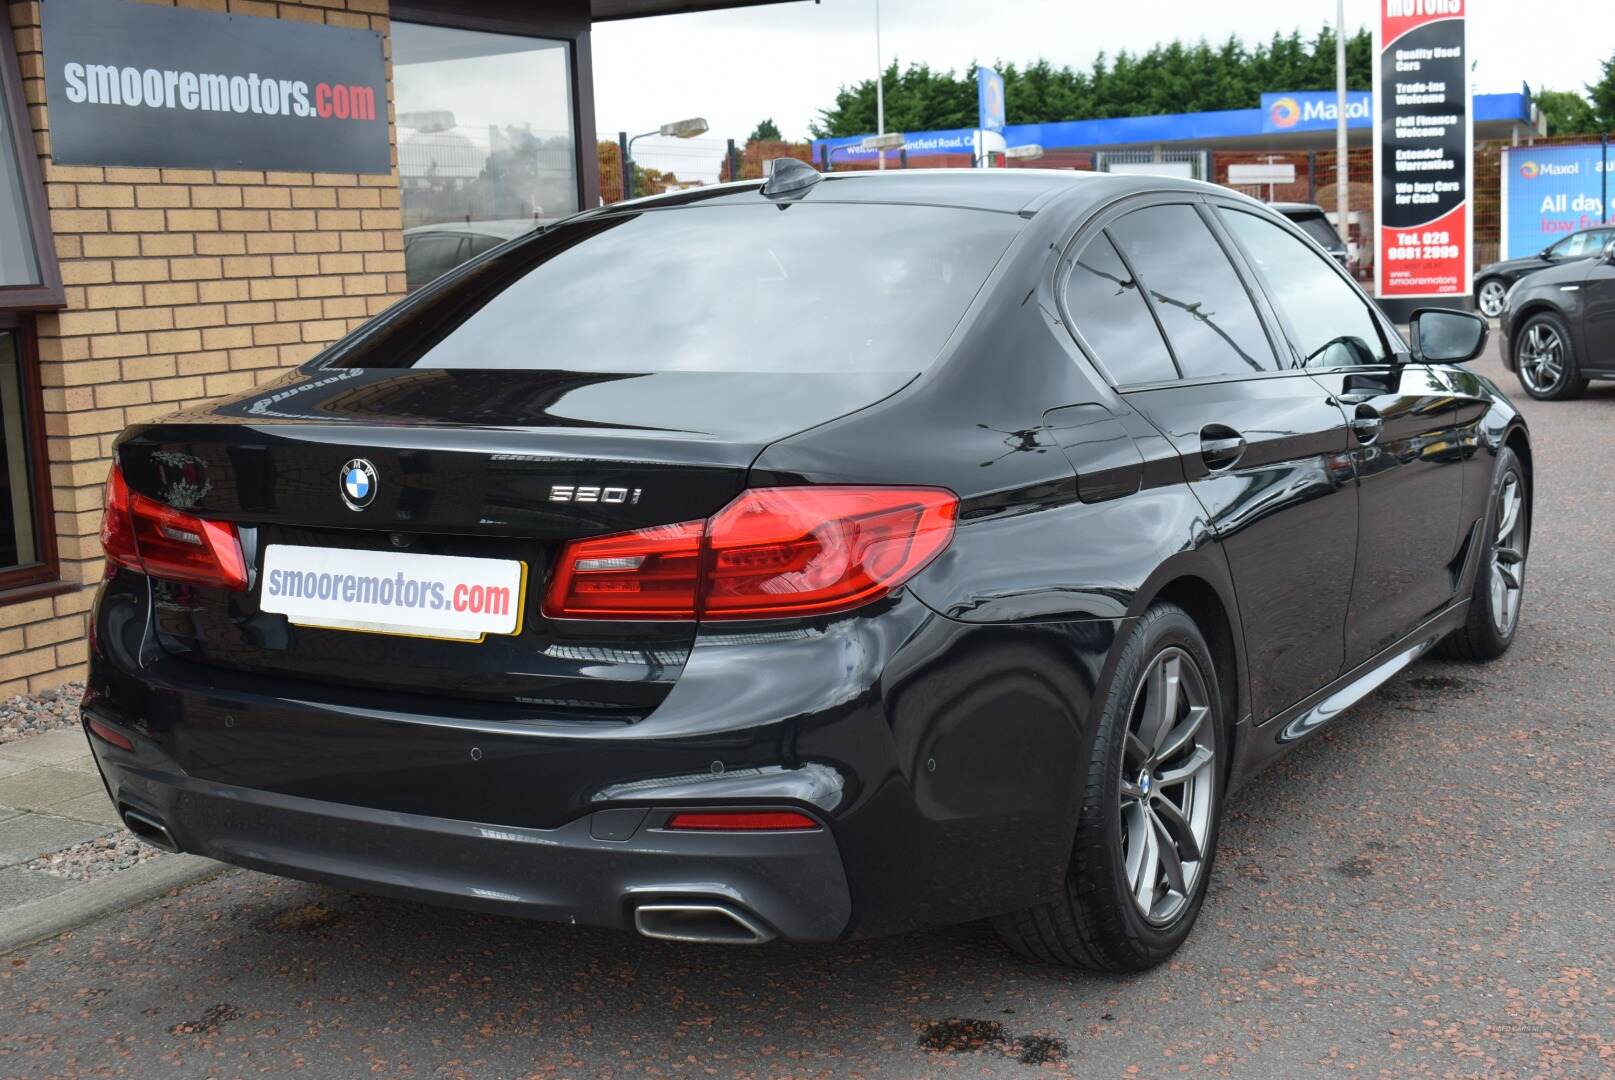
{"type": "Point", "coordinates": [1580, 245]}
{"type": "Point", "coordinates": [485, 130]}
{"type": "Point", "coordinates": [1208, 316]}
{"type": "Point", "coordinates": [1328, 317]}
{"type": "Point", "coordinates": [19, 262]}
{"type": "Point", "coordinates": [1107, 309]}
{"type": "Point", "coordinates": [805, 287]}
{"type": "Point", "coordinates": [18, 543]}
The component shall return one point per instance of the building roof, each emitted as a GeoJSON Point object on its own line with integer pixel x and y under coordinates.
{"type": "Point", "coordinates": [1496, 116]}
{"type": "Point", "coordinates": [607, 10]}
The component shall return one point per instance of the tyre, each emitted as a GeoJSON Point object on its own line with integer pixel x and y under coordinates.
{"type": "Point", "coordinates": [1494, 606]}
{"type": "Point", "coordinates": [1545, 359]}
{"type": "Point", "coordinates": [1489, 297]}
{"type": "Point", "coordinates": [1152, 799]}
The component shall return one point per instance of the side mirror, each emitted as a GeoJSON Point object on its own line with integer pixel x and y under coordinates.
{"type": "Point", "coordinates": [1609, 252]}
{"type": "Point", "coordinates": [1444, 336]}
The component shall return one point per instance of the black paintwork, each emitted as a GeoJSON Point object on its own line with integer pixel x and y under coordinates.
{"type": "Point", "coordinates": [954, 712]}
{"type": "Point", "coordinates": [1508, 271]}
{"type": "Point", "coordinates": [1580, 292]}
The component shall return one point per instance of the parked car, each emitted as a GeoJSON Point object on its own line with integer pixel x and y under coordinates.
{"type": "Point", "coordinates": [1312, 220]}
{"type": "Point", "coordinates": [815, 558]}
{"type": "Point", "coordinates": [1558, 326]}
{"type": "Point", "coordinates": [1493, 280]}
{"type": "Point", "coordinates": [430, 251]}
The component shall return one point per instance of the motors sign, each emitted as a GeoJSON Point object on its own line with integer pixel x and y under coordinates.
{"type": "Point", "coordinates": [1422, 150]}
{"type": "Point", "coordinates": [140, 85]}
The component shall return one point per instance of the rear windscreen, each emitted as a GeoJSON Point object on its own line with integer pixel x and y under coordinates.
{"type": "Point", "coordinates": [820, 287]}
{"type": "Point", "coordinates": [1317, 226]}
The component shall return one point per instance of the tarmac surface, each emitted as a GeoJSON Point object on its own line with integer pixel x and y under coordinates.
{"type": "Point", "coordinates": [1425, 889]}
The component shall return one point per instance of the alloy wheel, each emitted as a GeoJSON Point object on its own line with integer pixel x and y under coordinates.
{"type": "Point", "coordinates": [1491, 299]}
{"type": "Point", "coordinates": [1167, 785]}
{"type": "Point", "coordinates": [1542, 358]}
{"type": "Point", "coordinates": [1508, 556]}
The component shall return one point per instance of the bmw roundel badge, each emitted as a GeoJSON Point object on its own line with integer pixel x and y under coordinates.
{"type": "Point", "coordinates": [358, 483]}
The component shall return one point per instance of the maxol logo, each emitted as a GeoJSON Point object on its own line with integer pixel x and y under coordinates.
{"type": "Point", "coordinates": [1285, 112]}
{"type": "Point", "coordinates": [1530, 170]}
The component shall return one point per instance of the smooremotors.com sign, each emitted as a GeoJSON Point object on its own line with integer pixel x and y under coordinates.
{"type": "Point", "coordinates": [141, 85]}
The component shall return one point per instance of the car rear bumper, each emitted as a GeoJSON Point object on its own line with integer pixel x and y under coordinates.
{"type": "Point", "coordinates": [605, 868]}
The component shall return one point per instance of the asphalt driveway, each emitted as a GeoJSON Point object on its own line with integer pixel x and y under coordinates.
{"type": "Point", "coordinates": [1426, 889]}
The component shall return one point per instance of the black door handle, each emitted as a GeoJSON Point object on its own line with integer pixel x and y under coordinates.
{"type": "Point", "coordinates": [1366, 423]}
{"type": "Point", "coordinates": [1220, 447]}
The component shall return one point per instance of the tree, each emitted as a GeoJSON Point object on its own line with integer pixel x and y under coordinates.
{"type": "Point", "coordinates": [1568, 112]}
{"type": "Point", "coordinates": [1169, 78]}
{"type": "Point", "coordinates": [646, 181]}
{"type": "Point", "coordinates": [1603, 94]}
{"type": "Point", "coordinates": [766, 131]}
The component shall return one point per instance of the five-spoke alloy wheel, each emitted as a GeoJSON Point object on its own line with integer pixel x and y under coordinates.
{"type": "Point", "coordinates": [1545, 360]}
{"type": "Point", "coordinates": [1489, 297]}
{"type": "Point", "coordinates": [1151, 793]}
{"type": "Point", "coordinates": [1167, 786]}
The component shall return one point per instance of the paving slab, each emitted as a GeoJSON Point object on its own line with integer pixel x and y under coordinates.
{"type": "Point", "coordinates": [11, 767]}
{"type": "Point", "coordinates": [42, 788]}
{"type": "Point", "coordinates": [94, 807]}
{"type": "Point", "coordinates": [81, 902]}
{"type": "Point", "coordinates": [19, 885]}
{"type": "Point", "coordinates": [47, 748]}
{"type": "Point", "coordinates": [28, 835]}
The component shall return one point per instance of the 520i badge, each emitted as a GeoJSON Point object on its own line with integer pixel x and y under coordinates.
{"type": "Point", "coordinates": [585, 493]}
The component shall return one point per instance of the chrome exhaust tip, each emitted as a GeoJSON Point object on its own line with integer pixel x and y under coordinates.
{"type": "Point", "coordinates": [150, 830]}
{"type": "Point", "coordinates": [704, 923]}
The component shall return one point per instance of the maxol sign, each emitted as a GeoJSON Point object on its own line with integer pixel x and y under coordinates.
{"type": "Point", "coordinates": [1314, 110]}
{"type": "Point", "coordinates": [1551, 191]}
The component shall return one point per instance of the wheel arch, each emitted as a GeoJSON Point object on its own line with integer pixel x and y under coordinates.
{"type": "Point", "coordinates": [1205, 605]}
{"type": "Point", "coordinates": [1518, 441]}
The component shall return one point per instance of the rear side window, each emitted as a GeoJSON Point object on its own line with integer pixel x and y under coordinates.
{"type": "Point", "coordinates": [1208, 316]}
{"type": "Point", "coordinates": [1328, 319]}
{"type": "Point", "coordinates": [798, 287]}
{"type": "Point", "coordinates": [1108, 310]}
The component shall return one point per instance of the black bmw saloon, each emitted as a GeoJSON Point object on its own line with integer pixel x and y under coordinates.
{"type": "Point", "coordinates": [805, 559]}
{"type": "Point", "coordinates": [1558, 327]}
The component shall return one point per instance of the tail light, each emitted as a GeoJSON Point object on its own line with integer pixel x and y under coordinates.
{"type": "Point", "coordinates": [149, 537]}
{"type": "Point", "coordinates": [771, 553]}
{"type": "Point", "coordinates": [741, 821]}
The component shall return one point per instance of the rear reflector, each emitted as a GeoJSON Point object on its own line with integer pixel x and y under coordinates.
{"type": "Point", "coordinates": [772, 553]}
{"type": "Point", "coordinates": [742, 821]}
{"type": "Point", "coordinates": [112, 736]}
{"type": "Point", "coordinates": [152, 538]}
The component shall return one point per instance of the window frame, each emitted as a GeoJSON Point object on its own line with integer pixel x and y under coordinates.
{"type": "Point", "coordinates": [25, 582]}
{"type": "Point", "coordinates": [503, 17]}
{"type": "Point", "coordinates": [1101, 221]}
{"type": "Point", "coordinates": [47, 293]}
{"type": "Point", "coordinates": [1396, 350]}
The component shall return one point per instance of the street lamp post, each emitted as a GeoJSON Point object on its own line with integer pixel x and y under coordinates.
{"type": "Point", "coordinates": [678, 129]}
{"type": "Point", "coordinates": [1342, 170]}
{"type": "Point", "coordinates": [880, 87]}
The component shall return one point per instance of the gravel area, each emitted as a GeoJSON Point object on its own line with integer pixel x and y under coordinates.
{"type": "Point", "coordinates": [29, 714]}
{"type": "Point", "coordinates": [95, 859]}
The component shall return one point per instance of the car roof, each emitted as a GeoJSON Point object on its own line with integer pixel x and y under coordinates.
{"type": "Point", "coordinates": [504, 229]}
{"type": "Point", "coordinates": [1006, 190]}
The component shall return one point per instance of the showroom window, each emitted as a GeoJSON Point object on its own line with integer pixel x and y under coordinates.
{"type": "Point", "coordinates": [486, 139]}
{"type": "Point", "coordinates": [29, 280]}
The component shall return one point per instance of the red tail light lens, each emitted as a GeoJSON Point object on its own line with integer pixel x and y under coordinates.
{"type": "Point", "coordinates": [772, 553]}
{"type": "Point", "coordinates": [742, 821]}
{"type": "Point", "coordinates": [116, 738]}
{"type": "Point", "coordinates": [147, 536]}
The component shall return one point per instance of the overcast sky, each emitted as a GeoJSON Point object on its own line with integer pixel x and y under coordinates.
{"type": "Point", "coordinates": [786, 60]}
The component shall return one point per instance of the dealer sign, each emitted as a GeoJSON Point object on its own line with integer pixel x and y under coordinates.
{"type": "Point", "coordinates": [136, 84]}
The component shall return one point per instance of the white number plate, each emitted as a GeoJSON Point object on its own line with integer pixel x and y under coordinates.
{"type": "Point", "coordinates": [394, 592]}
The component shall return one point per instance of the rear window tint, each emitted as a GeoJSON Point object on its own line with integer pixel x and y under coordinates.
{"type": "Point", "coordinates": [1111, 316]}
{"type": "Point", "coordinates": [773, 287]}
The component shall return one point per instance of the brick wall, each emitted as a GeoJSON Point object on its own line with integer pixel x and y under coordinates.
{"type": "Point", "coordinates": [182, 285]}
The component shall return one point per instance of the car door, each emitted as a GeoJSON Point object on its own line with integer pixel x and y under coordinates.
{"type": "Point", "coordinates": [1263, 447]}
{"type": "Point", "coordinates": [1406, 446]}
{"type": "Point", "coordinates": [1598, 320]}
